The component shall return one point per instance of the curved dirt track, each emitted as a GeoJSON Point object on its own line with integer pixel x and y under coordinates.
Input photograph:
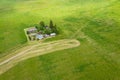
{"type": "Point", "coordinates": [37, 50]}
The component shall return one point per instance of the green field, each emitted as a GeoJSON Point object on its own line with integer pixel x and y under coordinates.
{"type": "Point", "coordinates": [95, 23]}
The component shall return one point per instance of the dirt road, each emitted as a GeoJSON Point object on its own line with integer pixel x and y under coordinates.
{"type": "Point", "coordinates": [36, 50]}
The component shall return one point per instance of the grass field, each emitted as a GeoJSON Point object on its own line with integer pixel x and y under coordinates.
{"type": "Point", "coordinates": [95, 23]}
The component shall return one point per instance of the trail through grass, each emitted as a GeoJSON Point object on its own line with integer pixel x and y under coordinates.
{"type": "Point", "coordinates": [36, 50]}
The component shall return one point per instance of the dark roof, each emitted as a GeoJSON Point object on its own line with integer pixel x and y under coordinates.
{"type": "Point", "coordinates": [32, 29]}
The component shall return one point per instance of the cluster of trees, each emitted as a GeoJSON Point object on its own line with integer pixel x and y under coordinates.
{"type": "Point", "coordinates": [45, 29]}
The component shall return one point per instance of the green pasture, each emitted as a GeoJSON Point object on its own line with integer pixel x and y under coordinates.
{"type": "Point", "coordinates": [95, 23]}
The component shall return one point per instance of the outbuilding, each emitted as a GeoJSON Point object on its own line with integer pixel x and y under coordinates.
{"type": "Point", "coordinates": [53, 34]}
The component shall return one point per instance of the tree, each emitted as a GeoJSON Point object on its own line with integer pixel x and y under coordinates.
{"type": "Point", "coordinates": [42, 24]}
{"type": "Point", "coordinates": [55, 30]}
{"type": "Point", "coordinates": [51, 24]}
{"type": "Point", "coordinates": [46, 31]}
{"type": "Point", "coordinates": [38, 29]}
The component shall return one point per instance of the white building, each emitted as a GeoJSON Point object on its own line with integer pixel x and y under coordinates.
{"type": "Point", "coordinates": [53, 34]}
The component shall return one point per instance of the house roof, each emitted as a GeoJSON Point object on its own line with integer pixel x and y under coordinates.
{"type": "Point", "coordinates": [32, 34]}
{"type": "Point", "coordinates": [31, 29]}
{"type": "Point", "coordinates": [39, 36]}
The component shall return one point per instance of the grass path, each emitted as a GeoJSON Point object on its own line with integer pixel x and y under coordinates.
{"type": "Point", "coordinates": [36, 50]}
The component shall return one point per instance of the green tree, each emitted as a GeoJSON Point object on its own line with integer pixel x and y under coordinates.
{"type": "Point", "coordinates": [41, 25]}
{"type": "Point", "coordinates": [55, 30]}
{"type": "Point", "coordinates": [38, 29]}
{"type": "Point", "coordinates": [47, 31]}
{"type": "Point", "coordinates": [51, 24]}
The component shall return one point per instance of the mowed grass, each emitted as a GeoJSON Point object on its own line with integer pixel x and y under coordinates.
{"type": "Point", "coordinates": [96, 24]}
